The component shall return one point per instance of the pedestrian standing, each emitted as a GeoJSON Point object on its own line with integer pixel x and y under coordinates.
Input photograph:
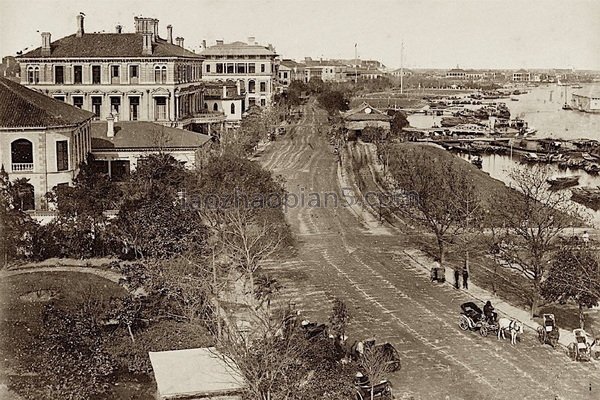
{"type": "Point", "coordinates": [456, 278]}
{"type": "Point", "coordinates": [465, 275]}
{"type": "Point", "coordinates": [585, 237]}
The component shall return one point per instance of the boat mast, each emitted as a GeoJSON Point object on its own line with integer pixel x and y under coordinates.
{"type": "Point", "coordinates": [355, 64]}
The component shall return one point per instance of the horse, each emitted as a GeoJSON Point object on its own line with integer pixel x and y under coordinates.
{"type": "Point", "coordinates": [512, 326]}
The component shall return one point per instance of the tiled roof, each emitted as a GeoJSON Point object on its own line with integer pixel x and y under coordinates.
{"type": "Point", "coordinates": [21, 107]}
{"type": "Point", "coordinates": [238, 49]}
{"type": "Point", "coordinates": [358, 114]}
{"type": "Point", "coordinates": [144, 135]}
{"type": "Point", "coordinates": [110, 45]}
{"type": "Point", "coordinates": [291, 64]}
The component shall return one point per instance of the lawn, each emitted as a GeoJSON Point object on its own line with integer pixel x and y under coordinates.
{"type": "Point", "coordinates": [23, 298]}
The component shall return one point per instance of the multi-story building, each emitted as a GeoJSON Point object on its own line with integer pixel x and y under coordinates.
{"type": "Point", "coordinates": [290, 71]}
{"type": "Point", "coordinates": [133, 76]}
{"type": "Point", "coordinates": [253, 65]}
{"type": "Point", "coordinates": [226, 97]}
{"type": "Point", "coordinates": [456, 73]}
{"type": "Point", "coordinates": [521, 76]}
{"type": "Point", "coordinates": [326, 70]}
{"type": "Point", "coordinates": [41, 139]}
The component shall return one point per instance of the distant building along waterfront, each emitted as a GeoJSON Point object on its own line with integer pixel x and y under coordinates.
{"type": "Point", "coordinates": [588, 102]}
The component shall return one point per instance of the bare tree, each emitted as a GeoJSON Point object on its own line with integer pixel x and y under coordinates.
{"type": "Point", "coordinates": [248, 241]}
{"type": "Point", "coordinates": [375, 364]}
{"type": "Point", "coordinates": [574, 274]}
{"type": "Point", "coordinates": [442, 194]}
{"type": "Point", "coordinates": [532, 220]}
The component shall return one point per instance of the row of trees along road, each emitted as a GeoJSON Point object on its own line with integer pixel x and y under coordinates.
{"type": "Point", "coordinates": [521, 227]}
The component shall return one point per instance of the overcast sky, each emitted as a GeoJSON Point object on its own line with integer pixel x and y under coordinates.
{"type": "Point", "coordinates": [437, 34]}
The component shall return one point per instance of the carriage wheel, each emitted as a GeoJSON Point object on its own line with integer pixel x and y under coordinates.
{"type": "Point", "coordinates": [463, 323]}
{"type": "Point", "coordinates": [553, 341]}
{"type": "Point", "coordinates": [483, 331]}
{"type": "Point", "coordinates": [541, 335]}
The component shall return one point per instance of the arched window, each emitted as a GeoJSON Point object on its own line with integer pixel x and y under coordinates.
{"type": "Point", "coordinates": [33, 75]}
{"type": "Point", "coordinates": [252, 87]}
{"type": "Point", "coordinates": [21, 151]}
{"type": "Point", "coordinates": [232, 108]}
{"type": "Point", "coordinates": [215, 107]}
{"type": "Point", "coordinates": [205, 106]}
{"type": "Point", "coordinates": [160, 74]}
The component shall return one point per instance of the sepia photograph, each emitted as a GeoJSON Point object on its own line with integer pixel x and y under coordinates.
{"type": "Point", "coordinates": [299, 200]}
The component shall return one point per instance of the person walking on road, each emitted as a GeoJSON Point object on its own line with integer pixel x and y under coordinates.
{"type": "Point", "coordinates": [456, 278]}
{"type": "Point", "coordinates": [585, 237]}
{"type": "Point", "coordinates": [465, 276]}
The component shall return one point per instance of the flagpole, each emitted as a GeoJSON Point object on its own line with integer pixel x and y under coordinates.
{"type": "Point", "coordinates": [402, 68]}
{"type": "Point", "coordinates": [355, 64]}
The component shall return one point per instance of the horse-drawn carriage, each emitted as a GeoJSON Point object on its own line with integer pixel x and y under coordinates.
{"type": "Point", "coordinates": [548, 332]}
{"type": "Point", "coordinates": [472, 318]}
{"type": "Point", "coordinates": [387, 350]}
{"type": "Point", "coordinates": [381, 390]}
{"type": "Point", "coordinates": [580, 349]}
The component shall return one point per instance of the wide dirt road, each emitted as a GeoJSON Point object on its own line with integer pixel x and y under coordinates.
{"type": "Point", "coordinates": [390, 298]}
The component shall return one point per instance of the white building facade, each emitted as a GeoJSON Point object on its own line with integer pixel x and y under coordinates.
{"type": "Point", "coordinates": [255, 67]}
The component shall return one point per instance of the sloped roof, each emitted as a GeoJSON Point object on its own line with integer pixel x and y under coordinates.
{"type": "Point", "coordinates": [590, 92]}
{"type": "Point", "coordinates": [144, 135]}
{"type": "Point", "coordinates": [359, 113]}
{"type": "Point", "coordinates": [195, 372]}
{"type": "Point", "coordinates": [291, 64]}
{"type": "Point", "coordinates": [21, 107]}
{"type": "Point", "coordinates": [110, 45]}
{"type": "Point", "coordinates": [238, 49]}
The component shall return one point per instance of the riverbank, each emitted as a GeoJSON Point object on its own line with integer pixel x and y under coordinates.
{"type": "Point", "coordinates": [486, 273]}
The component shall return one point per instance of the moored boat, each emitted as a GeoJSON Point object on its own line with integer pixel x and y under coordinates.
{"type": "Point", "coordinates": [587, 196]}
{"type": "Point", "coordinates": [562, 182]}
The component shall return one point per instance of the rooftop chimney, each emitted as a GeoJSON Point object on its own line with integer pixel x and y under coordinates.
{"type": "Point", "coordinates": [251, 40]}
{"type": "Point", "coordinates": [80, 29]}
{"type": "Point", "coordinates": [219, 42]}
{"type": "Point", "coordinates": [147, 44]}
{"type": "Point", "coordinates": [204, 45]}
{"type": "Point", "coordinates": [146, 25]}
{"type": "Point", "coordinates": [110, 130]}
{"type": "Point", "coordinates": [119, 29]}
{"type": "Point", "coordinates": [179, 41]}
{"type": "Point", "coordinates": [46, 43]}
{"type": "Point", "coordinates": [170, 34]}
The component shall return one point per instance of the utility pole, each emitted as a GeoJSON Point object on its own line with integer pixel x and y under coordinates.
{"type": "Point", "coordinates": [402, 68]}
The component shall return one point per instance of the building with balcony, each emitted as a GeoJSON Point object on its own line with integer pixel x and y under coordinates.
{"type": "Point", "coordinates": [521, 76]}
{"type": "Point", "coordinates": [254, 66]}
{"type": "Point", "coordinates": [134, 76]}
{"type": "Point", "coordinates": [41, 139]}
{"type": "Point", "coordinates": [456, 73]}
{"type": "Point", "coordinates": [225, 97]}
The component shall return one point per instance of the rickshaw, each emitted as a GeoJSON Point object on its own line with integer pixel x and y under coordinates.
{"type": "Point", "coordinates": [580, 349]}
{"type": "Point", "coordinates": [548, 332]}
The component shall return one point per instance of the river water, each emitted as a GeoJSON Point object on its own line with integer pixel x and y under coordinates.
{"type": "Point", "coordinates": [542, 109]}
{"type": "Point", "coordinates": [500, 167]}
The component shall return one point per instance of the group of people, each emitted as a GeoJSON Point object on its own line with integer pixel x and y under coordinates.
{"type": "Point", "coordinates": [465, 277]}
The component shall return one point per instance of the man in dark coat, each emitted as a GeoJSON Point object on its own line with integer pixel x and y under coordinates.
{"type": "Point", "coordinates": [465, 275]}
{"type": "Point", "coordinates": [456, 278]}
